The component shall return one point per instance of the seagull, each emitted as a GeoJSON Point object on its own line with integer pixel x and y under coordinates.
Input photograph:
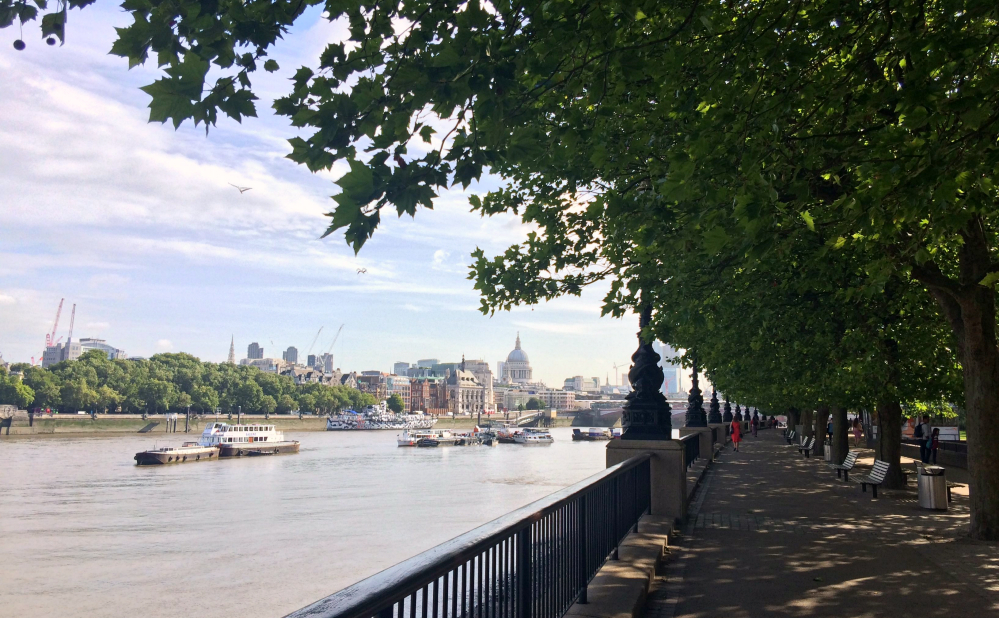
{"type": "Point", "coordinates": [361, 271]}
{"type": "Point", "coordinates": [242, 190]}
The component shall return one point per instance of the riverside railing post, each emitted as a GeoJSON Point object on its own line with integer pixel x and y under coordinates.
{"type": "Point", "coordinates": [524, 572]}
{"type": "Point", "coordinates": [617, 526]}
{"type": "Point", "coordinates": [582, 551]}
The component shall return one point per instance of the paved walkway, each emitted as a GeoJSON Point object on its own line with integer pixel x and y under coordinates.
{"type": "Point", "coordinates": [774, 534]}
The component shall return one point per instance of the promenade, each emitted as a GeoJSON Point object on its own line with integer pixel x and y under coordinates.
{"type": "Point", "coordinates": [771, 533]}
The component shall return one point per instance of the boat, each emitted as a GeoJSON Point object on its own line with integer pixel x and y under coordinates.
{"type": "Point", "coordinates": [377, 417]}
{"type": "Point", "coordinates": [187, 452]}
{"type": "Point", "coordinates": [532, 436]}
{"type": "Point", "coordinates": [411, 437]}
{"type": "Point", "coordinates": [427, 442]}
{"type": "Point", "coordinates": [591, 434]}
{"type": "Point", "coordinates": [239, 440]}
{"type": "Point", "coordinates": [221, 440]}
{"type": "Point", "coordinates": [507, 435]}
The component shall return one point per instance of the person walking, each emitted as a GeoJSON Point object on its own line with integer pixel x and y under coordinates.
{"type": "Point", "coordinates": [856, 432]}
{"type": "Point", "coordinates": [934, 445]}
{"type": "Point", "coordinates": [923, 433]}
{"type": "Point", "coordinates": [755, 424]}
{"type": "Point", "coordinates": [736, 434]}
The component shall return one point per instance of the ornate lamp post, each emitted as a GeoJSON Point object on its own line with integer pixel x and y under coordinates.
{"type": "Point", "coordinates": [714, 412]}
{"type": "Point", "coordinates": [696, 417]}
{"type": "Point", "coordinates": [738, 413]}
{"type": "Point", "coordinates": [646, 414]}
{"type": "Point", "coordinates": [727, 416]}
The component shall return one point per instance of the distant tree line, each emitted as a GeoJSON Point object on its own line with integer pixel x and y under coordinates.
{"type": "Point", "coordinates": [168, 383]}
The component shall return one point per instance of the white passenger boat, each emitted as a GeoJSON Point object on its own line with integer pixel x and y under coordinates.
{"type": "Point", "coordinates": [533, 436]}
{"type": "Point", "coordinates": [248, 439]}
{"type": "Point", "coordinates": [411, 437]}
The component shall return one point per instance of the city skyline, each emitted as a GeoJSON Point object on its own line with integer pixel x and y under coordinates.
{"type": "Point", "coordinates": [138, 225]}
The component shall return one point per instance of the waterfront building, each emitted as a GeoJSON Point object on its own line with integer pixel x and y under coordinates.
{"type": "Point", "coordinates": [517, 367]}
{"type": "Point", "coordinates": [465, 393]}
{"type": "Point", "coordinates": [372, 382]}
{"type": "Point", "coordinates": [304, 375]}
{"type": "Point", "coordinates": [400, 368]}
{"type": "Point", "coordinates": [430, 395]}
{"type": "Point", "coordinates": [290, 355]}
{"type": "Point", "coordinates": [349, 379]}
{"type": "Point", "coordinates": [480, 369]}
{"type": "Point", "coordinates": [580, 384]}
{"type": "Point", "coordinates": [72, 350]}
{"type": "Point", "coordinates": [254, 351]}
{"type": "Point", "coordinates": [398, 385]}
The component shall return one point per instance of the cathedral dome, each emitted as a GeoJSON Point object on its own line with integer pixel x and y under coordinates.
{"type": "Point", "coordinates": [517, 355]}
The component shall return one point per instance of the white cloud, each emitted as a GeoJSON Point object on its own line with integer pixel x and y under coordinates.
{"type": "Point", "coordinates": [6, 299]}
{"type": "Point", "coordinates": [164, 345]}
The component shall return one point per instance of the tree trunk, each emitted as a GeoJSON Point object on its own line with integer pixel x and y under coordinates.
{"type": "Point", "coordinates": [970, 309]}
{"type": "Point", "coordinates": [807, 429]}
{"type": "Point", "coordinates": [841, 435]}
{"type": "Point", "coordinates": [889, 446]}
{"type": "Point", "coordinates": [793, 418]}
{"type": "Point", "coordinates": [821, 423]}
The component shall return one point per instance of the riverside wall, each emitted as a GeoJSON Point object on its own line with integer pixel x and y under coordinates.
{"type": "Point", "coordinates": [123, 424]}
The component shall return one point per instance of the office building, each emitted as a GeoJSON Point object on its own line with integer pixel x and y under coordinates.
{"type": "Point", "coordinates": [427, 362]}
{"type": "Point", "coordinates": [400, 368]}
{"type": "Point", "coordinates": [254, 351]}
{"type": "Point", "coordinates": [290, 355]}
{"type": "Point", "coordinates": [72, 350]}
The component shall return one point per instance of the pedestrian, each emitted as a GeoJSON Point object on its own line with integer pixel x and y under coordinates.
{"type": "Point", "coordinates": [736, 434]}
{"type": "Point", "coordinates": [934, 445]}
{"type": "Point", "coordinates": [856, 432]}
{"type": "Point", "coordinates": [756, 426]}
{"type": "Point", "coordinates": [923, 433]}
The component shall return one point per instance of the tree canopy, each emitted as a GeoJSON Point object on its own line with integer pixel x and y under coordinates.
{"type": "Point", "coordinates": [789, 182]}
{"type": "Point", "coordinates": [170, 383]}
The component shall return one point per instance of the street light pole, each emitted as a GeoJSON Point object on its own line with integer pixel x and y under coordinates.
{"type": "Point", "coordinates": [646, 414]}
{"type": "Point", "coordinates": [696, 417]}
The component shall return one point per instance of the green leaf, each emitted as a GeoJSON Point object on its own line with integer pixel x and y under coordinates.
{"type": "Point", "coordinates": [807, 218]}
{"type": "Point", "coordinates": [270, 66]}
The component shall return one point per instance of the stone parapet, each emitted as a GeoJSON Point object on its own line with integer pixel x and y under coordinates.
{"type": "Point", "coordinates": [669, 478]}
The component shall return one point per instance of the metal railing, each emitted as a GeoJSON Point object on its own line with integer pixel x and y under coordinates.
{"type": "Point", "coordinates": [532, 563]}
{"type": "Point", "coordinates": [691, 448]}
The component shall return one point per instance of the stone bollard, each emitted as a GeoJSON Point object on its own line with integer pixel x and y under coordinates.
{"type": "Point", "coordinates": [669, 475]}
{"type": "Point", "coordinates": [707, 450]}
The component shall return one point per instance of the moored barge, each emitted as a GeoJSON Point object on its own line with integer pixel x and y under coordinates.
{"type": "Point", "coordinates": [221, 440]}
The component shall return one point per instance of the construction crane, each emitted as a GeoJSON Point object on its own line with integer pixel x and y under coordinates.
{"type": "Point", "coordinates": [314, 339]}
{"type": "Point", "coordinates": [335, 337]}
{"type": "Point", "coordinates": [50, 338]}
{"type": "Point", "coordinates": [72, 319]}
{"type": "Point", "coordinates": [616, 382]}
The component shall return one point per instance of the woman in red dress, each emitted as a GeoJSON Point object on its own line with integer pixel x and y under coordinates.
{"type": "Point", "coordinates": [736, 433]}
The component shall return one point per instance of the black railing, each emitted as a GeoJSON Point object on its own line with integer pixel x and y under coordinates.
{"type": "Point", "coordinates": [532, 563]}
{"type": "Point", "coordinates": [691, 448]}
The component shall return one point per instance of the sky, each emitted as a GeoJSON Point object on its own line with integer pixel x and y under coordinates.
{"type": "Point", "coordinates": [137, 225]}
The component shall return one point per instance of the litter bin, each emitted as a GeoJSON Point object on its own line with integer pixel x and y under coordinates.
{"type": "Point", "coordinates": [828, 452]}
{"type": "Point", "coordinates": [932, 486]}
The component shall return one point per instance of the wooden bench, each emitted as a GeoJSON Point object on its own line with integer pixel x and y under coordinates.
{"type": "Point", "coordinates": [807, 448]}
{"type": "Point", "coordinates": [846, 466]}
{"type": "Point", "coordinates": [952, 486]}
{"type": "Point", "coordinates": [875, 478]}
{"type": "Point", "coordinates": [790, 436]}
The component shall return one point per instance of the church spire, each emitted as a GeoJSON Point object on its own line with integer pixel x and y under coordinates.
{"type": "Point", "coordinates": [517, 347]}
{"type": "Point", "coordinates": [232, 351]}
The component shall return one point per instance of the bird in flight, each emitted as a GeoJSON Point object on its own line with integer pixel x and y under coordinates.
{"type": "Point", "coordinates": [242, 190]}
{"type": "Point", "coordinates": [361, 271]}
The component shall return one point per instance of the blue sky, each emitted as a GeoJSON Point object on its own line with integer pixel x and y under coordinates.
{"type": "Point", "coordinates": [136, 223]}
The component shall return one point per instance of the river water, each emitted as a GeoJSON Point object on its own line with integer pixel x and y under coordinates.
{"type": "Point", "coordinates": [85, 532]}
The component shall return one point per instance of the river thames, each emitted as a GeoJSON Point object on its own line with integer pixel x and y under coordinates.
{"type": "Point", "coordinates": [85, 532]}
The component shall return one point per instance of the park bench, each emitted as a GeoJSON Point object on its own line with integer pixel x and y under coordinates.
{"type": "Point", "coordinates": [952, 486]}
{"type": "Point", "coordinates": [790, 436]}
{"type": "Point", "coordinates": [875, 478]}
{"type": "Point", "coordinates": [846, 466]}
{"type": "Point", "coordinates": [807, 448]}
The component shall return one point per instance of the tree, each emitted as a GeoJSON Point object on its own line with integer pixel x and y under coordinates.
{"type": "Point", "coordinates": [396, 403]}
{"type": "Point", "coordinates": [307, 403]}
{"type": "Point", "coordinates": [534, 404]}
{"type": "Point", "coordinates": [107, 397]}
{"type": "Point", "coordinates": [14, 392]}
{"type": "Point", "coordinates": [285, 404]}
{"type": "Point", "coordinates": [267, 405]}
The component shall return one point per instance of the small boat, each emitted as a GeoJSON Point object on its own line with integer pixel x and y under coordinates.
{"type": "Point", "coordinates": [411, 436]}
{"type": "Point", "coordinates": [187, 452]}
{"type": "Point", "coordinates": [506, 435]}
{"type": "Point", "coordinates": [591, 434]}
{"type": "Point", "coordinates": [427, 442]}
{"type": "Point", "coordinates": [532, 437]}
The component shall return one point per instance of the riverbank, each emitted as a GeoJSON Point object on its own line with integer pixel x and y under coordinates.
{"type": "Point", "coordinates": [125, 424]}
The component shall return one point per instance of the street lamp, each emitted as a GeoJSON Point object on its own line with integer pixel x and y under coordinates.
{"type": "Point", "coordinates": [696, 417]}
{"type": "Point", "coordinates": [727, 416]}
{"type": "Point", "coordinates": [714, 412]}
{"type": "Point", "coordinates": [646, 414]}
